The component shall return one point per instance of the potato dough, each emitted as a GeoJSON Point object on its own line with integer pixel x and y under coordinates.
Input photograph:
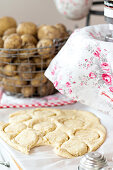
{"type": "Point", "coordinates": [27, 51]}
{"type": "Point", "coordinates": [10, 31]}
{"type": "Point", "coordinates": [10, 70]}
{"type": "Point", "coordinates": [72, 133]}
{"type": "Point", "coordinates": [28, 91]}
{"type": "Point", "coordinates": [13, 41]}
{"type": "Point", "coordinates": [27, 28]}
{"type": "Point", "coordinates": [28, 39]}
{"type": "Point", "coordinates": [1, 43]}
{"type": "Point", "coordinates": [6, 23]}
{"type": "Point", "coordinates": [39, 80]}
{"type": "Point", "coordinates": [26, 69]}
{"type": "Point", "coordinates": [46, 48]}
{"type": "Point", "coordinates": [48, 32]}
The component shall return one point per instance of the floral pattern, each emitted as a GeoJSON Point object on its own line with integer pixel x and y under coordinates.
{"type": "Point", "coordinates": [73, 9]}
{"type": "Point", "coordinates": [86, 66]}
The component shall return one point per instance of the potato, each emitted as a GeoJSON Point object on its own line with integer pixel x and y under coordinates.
{"type": "Point", "coordinates": [46, 48]}
{"type": "Point", "coordinates": [48, 32]}
{"type": "Point", "coordinates": [39, 63]}
{"type": "Point", "coordinates": [62, 29]}
{"type": "Point", "coordinates": [13, 84]}
{"type": "Point", "coordinates": [6, 23]}
{"type": "Point", "coordinates": [42, 91]}
{"type": "Point", "coordinates": [10, 70]}
{"type": "Point", "coordinates": [1, 80]}
{"type": "Point", "coordinates": [46, 89]}
{"type": "Point", "coordinates": [1, 74]}
{"type": "Point", "coordinates": [48, 62]}
{"type": "Point", "coordinates": [4, 58]}
{"type": "Point", "coordinates": [13, 41]}
{"type": "Point", "coordinates": [28, 39]}
{"type": "Point", "coordinates": [26, 70]}
{"type": "Point", "coordinates": [40, 26]}
{"type": "Point", "coordinates": [27, 28]}
{"type": "Point", "coordinates": [50, 87]}
{"type": "Point", "coordinates": [1, 43]}
{"type": "Point", "coordinates": [4, 37]}
{"type": "Point", "coordinates": [38, 80]}
{"type": "Point", "coordinates": [12, 89]}
{"type": "Point", "coordinates": [28, 52]}
{"type": "Point", "coordinates": [28, 91]}
{"type": "Point", "coordinates": [16, 81]}
{"type": "Point", "coordinates": [10, 31]}
{"type": "Point", "coordinates": [8, 85]}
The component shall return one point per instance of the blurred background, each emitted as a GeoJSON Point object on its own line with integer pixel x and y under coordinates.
{"type": "Point", "coordinates": [41, 12]}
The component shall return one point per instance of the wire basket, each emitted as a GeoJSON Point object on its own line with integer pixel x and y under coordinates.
{"type": "Point", "coordinates": [22, 70]}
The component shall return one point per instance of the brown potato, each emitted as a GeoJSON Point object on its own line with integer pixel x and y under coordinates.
{"type": "Point", "coordinates": [28, 51]}
{"type": "Point", "coordinates": [4, 58]}
{"type": "Point", "coordinates": [28, 91]}
{"type": "Point", "coordinates": [40, 26]}
{"type": "Point", "coordinates": [9, 85]}
{"type": "Point", "coordinates": [16, 81]}
{"type": "Point", "coordinates": [42, 91]}
{"type": "Point", "coordinates": [13, 84]}
{"type": "Point", "coordinates": [48, 61]}
{"type": "Point", "coordinates": [39, 63]}
{"type": "Point", "coordinates": [1, 43]}
{"type": "Point", "coordinates": [1, 74]}
{"type": "Point", "coordinates": [4, 37]}
{"type": "Point", "coordinates": [62, 29]}
{"type": "Point", "coordinates": [1, 80]}
{"type": "Point", "coordinates": [26, 69]}
{"type": "Point", "coordinates": [50, 87]}
{"type": "Point", "coordinates": [10, 70]}
{"type": "Point", "coordinates": [12, 89]}
{"type": "Point", "coordinates": [38, 80]}
{"type": "Point", "coordinates": [48, 32]}
{"type": "Point", "coordinates": [46, 89]}
{"type": "Point", "coordinates": [28, 39]}
{"type": "Point", "coordinates": [13, 41]}
{"type": "Point", "coordinates": [6, 23]}
{"type": "Point", "coordinates": [46, 48]}
{"type": "Point", "coordinates": [10, 31]}
{"type": "Point", "coordinates": [27, 28]}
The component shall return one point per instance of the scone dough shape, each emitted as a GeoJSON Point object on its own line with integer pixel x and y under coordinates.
{"type": "Point", "coordinates": [72, 133]}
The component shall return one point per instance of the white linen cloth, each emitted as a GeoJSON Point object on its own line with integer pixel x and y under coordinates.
{"type": "Point", "coordinates": [43, 158]}
{"type": "Point", "coordinates": [83, 69]}
{"type": "Point", "coordinates": [73, 9]}
{"type": "Point", "coordinates": [51, 100]}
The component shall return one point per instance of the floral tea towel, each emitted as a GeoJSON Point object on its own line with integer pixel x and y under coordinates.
{"type": "Point", "coordinates": [83, 69]}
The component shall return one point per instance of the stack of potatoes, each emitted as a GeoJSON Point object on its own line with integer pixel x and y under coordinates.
{"type": "Point", "coordinates": [25, 52]}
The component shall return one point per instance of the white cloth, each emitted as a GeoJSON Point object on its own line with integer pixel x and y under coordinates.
{"type": "Point", "coordinates": [51, 100]}
{"type": "Point", "coordinates": [73, 9]}
{"type": "Point", "coordinates": [83, 69]}
{"type": "Point", "coordinates": [43, 158]}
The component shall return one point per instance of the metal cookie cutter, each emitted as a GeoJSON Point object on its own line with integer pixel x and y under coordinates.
{"type": "Point", "coordinates": [94, 161]}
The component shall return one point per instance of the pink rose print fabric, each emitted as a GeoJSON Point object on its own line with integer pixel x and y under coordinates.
{"type": "Point", "coordinates": [73, 9]}
{"type": "Point", "coordinates": [83, 69]}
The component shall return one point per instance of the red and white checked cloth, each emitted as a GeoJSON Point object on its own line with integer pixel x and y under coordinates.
{"type": "Point", "coordinates": [48, 101]}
